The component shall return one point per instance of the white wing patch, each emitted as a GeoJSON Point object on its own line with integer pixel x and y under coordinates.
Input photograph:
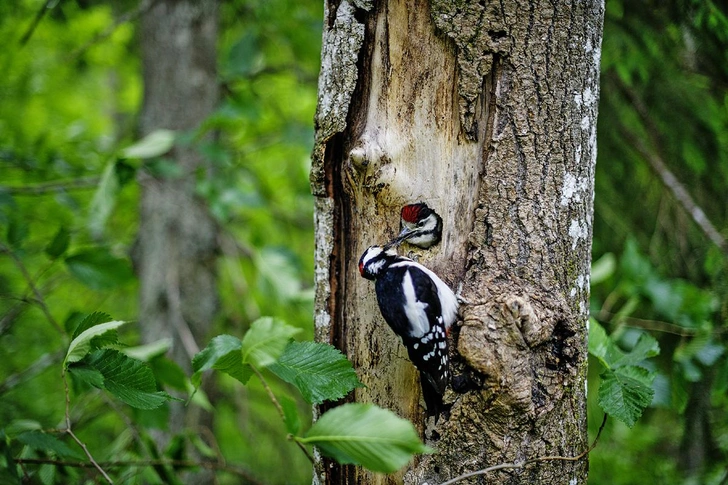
{"type": "Point", "coordinates": [414, 309]}
{"type": "Point", "coordinates": [448, 301]}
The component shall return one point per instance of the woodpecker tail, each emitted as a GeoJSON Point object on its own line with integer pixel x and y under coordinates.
{"type": "Point", "coordinates": [431, 395]}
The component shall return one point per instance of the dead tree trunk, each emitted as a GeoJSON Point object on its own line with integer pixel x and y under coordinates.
{"type": "Point", "coordinates": [487, 111]}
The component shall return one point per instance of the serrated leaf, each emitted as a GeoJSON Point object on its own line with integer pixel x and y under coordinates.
{"type": "Point", "coordinates": [91, 320]}
{"type": "Point", "coordinates": [265, 341]}
{"type": "Point", "coordinates": [224, 354]}
{"type": "Point", "coordinates": [59, 243]}
{"type": "Point", "coordinates": [645, 348]}
{"type": "Point", "coordinates": [625, 393]}
{"type": "Point", "coordinates": [81, 345]}
{"type": "Point", "coordinates": [130, 380]}
{"type": "Point", "coordinates": [366, 435]}
{"type": "Point", "coordinates": [319, 371]}
{"type": "Point", "coordinates": [98, 269]}
{"type": "Point", "coordinates": [611, 356]}
{"type": "Point", "coordinates": [87, 375]}
{"type": "Point", "coordinates": [154, 144]}
{"type": "Point", "coordinates": [47, 443]}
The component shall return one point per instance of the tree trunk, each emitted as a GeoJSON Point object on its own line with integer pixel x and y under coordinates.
{"type": "Point", "coordinates": [176, 246]}
{"type": "Point", "coordinates": [486, 111]}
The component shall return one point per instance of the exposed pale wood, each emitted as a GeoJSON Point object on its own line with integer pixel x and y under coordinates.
{"type": "Point", "coordinates": [487, 111]}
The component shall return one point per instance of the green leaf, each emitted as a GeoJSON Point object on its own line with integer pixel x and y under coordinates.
{"type": "Point", "coordinates": [611, 356]}
{"type": "Point", "coordinates": [318, 370]}
{"type": "Point", "coordinates": [59, 243]}
{"type": "Point", "coordinates": [154, 144]}
{"type": "Point", "coordinates": [147, 352]}
{"type": "Point", "coordinates": [603, 268]}
{"type": "Point", "coordinates": [17, 231]}
{"type": "Point", "coordinates": [290, 415]}
{"type": "Point", "coordinates": [81, 345]}
{"type": "Point", "coordinates": [222, 353]}
{"type": "Point", "coordinates": [130, 380]}
{"type": "Point", "coordinates": [265, 341]}
{"type": "Point", "coordinates": [625, 393]}
{"type": "Point", "coordinates": [47, 443]}
{"type": "Point", "coordinates": [20, 426]}
{"type": "Point", "coordinates": [87, 375]}
{"type": "Point", "coordinates": [645, 348]}
{"type": "Point", "coordinates": [98, 269]}
{"type": "Point", "coordinates": [104, 199]}
{"type": "Point", "coordinates": [366, 435]}
{"type": "Point", "coordinates": [91, 320]}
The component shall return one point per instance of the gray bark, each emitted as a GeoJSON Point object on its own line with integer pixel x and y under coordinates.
{"type": "Point", "coordinates": [487, 111]}
{"type": "Point", "coordinates": [176, 247]}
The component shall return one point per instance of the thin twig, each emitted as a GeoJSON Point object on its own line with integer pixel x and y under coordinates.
{"type": "Point", "coordinates": [53, 186]}
{"type": "Point", "coordinates": [209, 465]}
{"type": "Point", "coordinates": [38, 366]}
{"type": "Point", "coordinates": [521, 464]}
{"type": "Point", "coordinates": [73, 435]}
{"type": "Point", "coordinates": [678, 191]}
{"type": "Point", "coordinates": [31, 284]}
{"type": "Point", "coordinates": [652, 325]}
{"type": "Point", "coordinates": [36, 20]}
{"type": "Point", "coordinates": [280, 410]}
{"type": "Point", "coordinates": [143, 6]}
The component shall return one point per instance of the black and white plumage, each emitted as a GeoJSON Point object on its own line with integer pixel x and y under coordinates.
{"type": "Point", "coordinates": [418, 306]}
{"type": "Point", "coordinates": [419, 225]}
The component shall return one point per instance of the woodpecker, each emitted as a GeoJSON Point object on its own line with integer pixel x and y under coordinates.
{"type": "Point", "coordinates": [419, 226]}
{"type": "Point", "coordinates": [420, 308]}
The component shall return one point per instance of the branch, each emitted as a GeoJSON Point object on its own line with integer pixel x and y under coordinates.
{"type": "Point", "coordinates": [144, 5]}
{"type": "Point", "coordinates": [31, 284]}
{"type": "Point", "coordinates": [73, 435]}
{"type": "Point", "coordinates": [36, 20]}
{"type": "Point", "coordinates": [678, 191]}
{"type": "Point", "coordinates": [53, 186]}
{"type": "Point", "coordinates": [280, 409]}
{"type": "Point", "coordinates": [522, 464]}
{"type": "Point", "coordinates": [652, 325]}
{"type": "Point", "coordinates": [209, 465]}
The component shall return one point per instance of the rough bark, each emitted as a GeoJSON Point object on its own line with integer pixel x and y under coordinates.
{"type": "Point", "coordinates": [176, 247]}
{"type": "Point", "coordinates": [487, 111]}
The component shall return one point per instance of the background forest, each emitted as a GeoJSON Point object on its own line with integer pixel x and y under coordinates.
{"type": "Point", "coordinates": [71, 158]}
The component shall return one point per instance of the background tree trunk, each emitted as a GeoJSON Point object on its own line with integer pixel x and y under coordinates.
{"type": "Point", "coordinates": [487, 111]}
{"type": "Point", "coordinates": [176, 247]}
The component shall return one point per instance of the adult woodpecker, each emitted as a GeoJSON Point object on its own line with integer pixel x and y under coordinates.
{"type": "Point", "coordinates": [420, 308]}
{"type": "Point", "coordinates": [419, 226]}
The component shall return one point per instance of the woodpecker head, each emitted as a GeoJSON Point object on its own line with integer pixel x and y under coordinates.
{"type": "Point", "coordinates": [375, 260]}
{"type": "Point", "coordinates": [420, 226]}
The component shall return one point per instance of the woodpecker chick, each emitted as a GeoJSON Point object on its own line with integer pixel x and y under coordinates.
{"type": "Point", "coordinates": [420, 308]}
{"type": "Point", "coordinates": [419, 226]}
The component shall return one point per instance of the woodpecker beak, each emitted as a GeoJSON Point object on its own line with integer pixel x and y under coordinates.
{"type": "Point", "coordinates": [406, 232]}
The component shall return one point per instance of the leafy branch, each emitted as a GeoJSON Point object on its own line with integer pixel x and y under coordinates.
{"type": "Point", "coordinates": [353, 433]}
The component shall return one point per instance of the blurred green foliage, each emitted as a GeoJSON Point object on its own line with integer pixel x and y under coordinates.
{"type": "Point", "coordinates": [69, 100]}
{"type": "Point", "coordinates": [656, 272]}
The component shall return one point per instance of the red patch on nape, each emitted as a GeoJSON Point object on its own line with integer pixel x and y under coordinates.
{"type": "Point", "coordinates": [411, 212]}
{"type": "Point", "coordinates": [361, 268]}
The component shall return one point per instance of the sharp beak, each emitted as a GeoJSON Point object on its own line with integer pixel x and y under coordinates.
{"type": "Point", "coordinates": [399, 239]}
